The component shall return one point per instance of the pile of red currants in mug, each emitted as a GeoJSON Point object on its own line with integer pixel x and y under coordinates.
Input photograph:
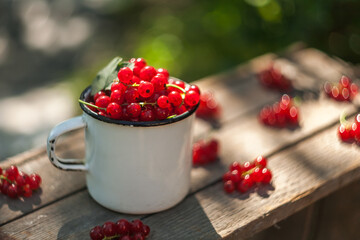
{"type": "Point", "coordinates": [15, 183]}
{"type": "Point", "coordinates": [142, 93]}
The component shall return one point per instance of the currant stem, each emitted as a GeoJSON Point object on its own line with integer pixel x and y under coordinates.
{"type": "Point", "coordinates": [91, 105]}
{"type": "Point", "coordinates": [250, 171]}
{"type": "Point", "coordinates": [5, 178]}
{"type": "Point", "coordinates": [343, 118]}
{"type": "Point", "coordinates": [175, 86]}
{"type": "Point", "coordinates": [112, 237]}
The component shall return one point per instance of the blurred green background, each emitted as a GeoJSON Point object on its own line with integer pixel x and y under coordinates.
{"type": "Point", "coordinates": [197, 38]}
{"type": "Point", "coordinates": [44, 43]}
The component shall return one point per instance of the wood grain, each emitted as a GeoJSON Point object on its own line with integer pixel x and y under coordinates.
{"type": "Point", "coordinates": [302, 174]}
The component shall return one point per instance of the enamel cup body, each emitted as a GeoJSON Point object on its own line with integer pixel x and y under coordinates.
{"type": "Point", "coordinates": [137, 169]}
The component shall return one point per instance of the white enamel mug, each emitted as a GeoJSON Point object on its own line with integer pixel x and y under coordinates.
{"type": "Point", "coordinates": [131, 167]}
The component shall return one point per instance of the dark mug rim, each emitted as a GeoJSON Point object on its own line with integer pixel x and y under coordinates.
{"type": "Point", "coordinates": [130, 123]}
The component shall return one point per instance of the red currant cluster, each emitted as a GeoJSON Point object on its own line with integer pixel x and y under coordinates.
{"type": "Point", "coordinates": [209, 107]}
{"type": "Point", "coordinates": [205, 151]}
{"type": "Point", "coordinates": [280, 114]}
{"type": "Point", "coordinates": [350, 132]}
{"type": "Point", "coordinates": [243, 176]}
{"type": "Point", "coordinates": [345, 90]}
{"type": "Point", "coordinates": [122, 230]}
{"type": "Point", "coordinates": [274, 79]}
{"type": "Point", "coordinates": [144, 94]}
{"type": "Point", "coordinates": [15, 183]}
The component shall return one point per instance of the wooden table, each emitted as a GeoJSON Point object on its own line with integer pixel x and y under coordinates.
{"type": "Point", "coordinates": [308, 163]}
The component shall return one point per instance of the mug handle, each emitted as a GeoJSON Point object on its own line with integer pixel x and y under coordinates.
{"type": "Point", "coordinates": [66, 126]}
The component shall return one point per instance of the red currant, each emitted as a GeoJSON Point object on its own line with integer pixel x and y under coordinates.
{"type": "Point", "coordinates": [161, 113]}
{"type": "Point", "coordinates": [163, 71]}
{"type": "Point", "coordinates": [236, 166]}
{"type": "Point", "coordinates": [345, 81]}
{"type": "Point", "coordinates": [146, 89]}
{"type": "Point", "coordinates": [12, 172]}
{"type": "Point", "coordinates": [266, 175]}
{"type": "Point", "coordinates": [146, 230]}
{"type": "Point", "coordinates": [33, 182]}
{"type": "Point", "coordinates": [194, 88]}
{"type": "Point", "coordinates": [175, 98]}
{"type": "Point", "coordinates": [5, 187]}
{"type": "Point", "coordinates": [147, 114]}
{"type": "Point", "coordinates": [114, 111]}
{"type": "Point", "coordinates": [229, 186]}
{"type": "Point", "coordinates": [117, 86]}
{"type": "Point", "coordinates": [117, 97]}
{"type": "Point", "coordinates": [180, 110]}
{"type": "Point", "coordinates": [235, 176]}
{"type": "Point", "coordinates": [344, 132]}
{"type": "Point", "coordinates": [126, 237]}
{"type": "Point", "coordinates": [12, 191]}
{"type": "Point", "coordinates": [123, 227]}
{"type": "Point", "coordinates": [139, 64]}
{"type": "Point", "coordinates": [226, 176]}
{"type": "Point", "coordinates": [102, 102]}
{"type": "Point", "coordinates": [20, 180]}
{"type": "Point", "coordinates": [98, 94]}
{"type": "Point", "coordinates": [256, 175]}
{"type": "Point", "coordinates": [135, 80]}
{"type": "Point", "coordinates": [109, 229]}
{"type": "Point", "coordinates": [147, 73]}
{"type": "Point", "coordinates": [178, 83]}
{"type": "Point", "coordinates": [260, 161]}
{"type": "Point", "coordinates": [131, 95]}
{"type": "Point", "coordinates": [192, 98]}
{"type": "Point", "coordinates": [163, 102]}
{"type": "Point", "coordinates": [133, 110]}
{"type": "Point", "coordinates": [96, 233]}
{"type": "Point", "coordinates": [125, 75]}
{"type": "Point", "coordinates": [247, 166]}
{"type": "Point", "coordinates": [159, 81]}
{"type": "Point", "coordinates": [138, 236]}
{"type": "Point", "coordinates": [245, 184]}
{"type": "Point", "coordinates": [27, 192]}
{"type": "Point", "coordinates": [136, 226]}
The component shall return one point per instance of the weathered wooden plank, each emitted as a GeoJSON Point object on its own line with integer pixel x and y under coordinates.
{"type": "Point", "coordinates": [65, 220]}
{"type": "Point", "coordinates": [302, 174]}
{"type": "Point", "coordinates": [336, 216]}
{"type": "Point", "coordinates": [340, 215]}
{"type": "Point", "coordinates": [56, 184]}
{"type": "Point", "coordinates": [246, 138]}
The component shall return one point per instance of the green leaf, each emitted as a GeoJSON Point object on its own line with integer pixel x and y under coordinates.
{"type": "Point", "coordinates": [105, 76]}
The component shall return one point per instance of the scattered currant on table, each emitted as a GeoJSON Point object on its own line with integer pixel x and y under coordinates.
{"type": "Point", "coordinates": [209, 108]}
{"type": "Point", "coordinates": [344, 90]}
{"type": "Point", "coordinates": [143, 94]}
{"type": "Point", "coordinates": [349, 131]}
{"type": "Point", "coordinates": [273, 78]}
{"type": "Point", "coordinates": [122, 229]}
{"type": "Point", "coordinates": [205, 151]}
{"type": "Point", "coordinates": [242, 177]}
{"type": "Point", "coordinates": [15, 183]}
{"type": "Point", "coordinates": [281, 114]}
